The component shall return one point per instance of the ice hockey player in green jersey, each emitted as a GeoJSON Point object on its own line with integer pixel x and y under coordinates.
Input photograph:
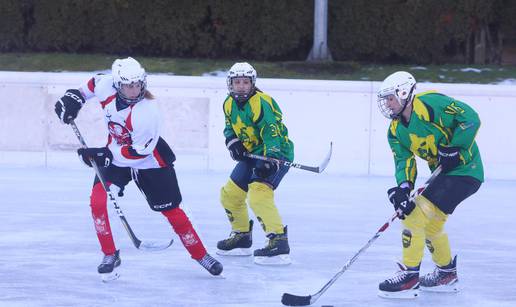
{"type": "Point", "coordinates": [254, 125]}
{"type": "Point", "coordinates": [440, 130]}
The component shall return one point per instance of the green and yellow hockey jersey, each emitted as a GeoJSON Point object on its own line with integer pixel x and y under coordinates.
{"type": "Point", "coordinates": [435, 119]}
{"type": "Point", "coordinates": [258, 124]}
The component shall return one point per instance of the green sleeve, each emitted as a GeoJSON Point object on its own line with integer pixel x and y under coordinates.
{"type": "Point", "coordinates": [269, 130]}
{"type": "Point", "coordinates": [229, 133]}
{"type": "Point", "coordinates": [462, 124]}
{"type": "Point", "coordinates": [404, 160]}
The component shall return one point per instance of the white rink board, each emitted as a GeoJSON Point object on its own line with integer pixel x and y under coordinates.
{"type": "Point", "coordinates": [315, 112]}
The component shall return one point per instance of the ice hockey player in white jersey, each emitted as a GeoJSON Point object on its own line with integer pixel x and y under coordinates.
{"type": "Point", "coordinates": [134, 151]}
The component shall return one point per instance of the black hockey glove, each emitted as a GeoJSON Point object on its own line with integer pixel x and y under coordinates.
{"type": "Point", "coordinates": [264, 169]}
{"type": "Point", "coordinates": [102, 156]}
{"type": "Point", "coordinates": [68, 106]}
{"type": "Point", "coordinates": [236, 149]}
{"type": "Point", "coordinates": [400, 198]}
{"type": "Point", "coordinates": [449, 157]}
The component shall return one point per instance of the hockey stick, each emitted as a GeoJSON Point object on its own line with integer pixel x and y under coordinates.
{"type": "Point", "coordinates": [315, 169]}
{"type": "Point", "coordinates": [142, 245]}
{"type": "Point", "coordinates": [299, 300]}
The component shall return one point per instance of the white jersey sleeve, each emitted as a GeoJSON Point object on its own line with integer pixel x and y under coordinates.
{"type": "Point", "coordinates": [88, 89]}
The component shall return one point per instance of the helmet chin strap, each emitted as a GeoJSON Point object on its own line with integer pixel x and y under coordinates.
{"type": "Point", "coordinates": [398, 115]}
{"type": "Point", "coordinates": [242, 98]}
{"type": "Point", "coordinates": [407, 102]}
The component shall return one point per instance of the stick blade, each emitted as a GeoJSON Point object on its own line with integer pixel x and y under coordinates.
{"type": "Point", "coordinates": [154, 246]}
{"type": "Point", "coordinates": [326, 160]}
{"type": "Point", "coordinates": [295, 300]}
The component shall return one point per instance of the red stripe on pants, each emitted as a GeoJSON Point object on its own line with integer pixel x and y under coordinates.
{"type": "Point", "coordinates": [98, 204]}
{"type": "Point", "coordinates": [184, 229]}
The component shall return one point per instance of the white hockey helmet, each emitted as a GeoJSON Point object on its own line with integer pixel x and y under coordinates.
{"type": "Point", "coordinates": [241, 69]}
{"type": "Point", "coordinates": [401, 85]}
{"type": "Point", "coordinates": [128, 71]}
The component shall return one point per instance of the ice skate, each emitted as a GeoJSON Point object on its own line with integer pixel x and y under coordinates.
{"type": "Point", "coordinates": [211, 264]}
{"type": "Point", "coordinates": [107, 268]}
{"type": "Point", "coordinates": [238, 243]}
{"type": "Point", "coordinates": [442, 279]}
{"type": "Point", "coordinates": [404, 285]}
{"type": "Point", "coordinates": [276, 252]}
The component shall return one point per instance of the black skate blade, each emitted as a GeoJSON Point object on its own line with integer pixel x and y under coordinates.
{"type": "Point", "coordinates": [154, 246]}
{"type": "Point", "coordinates": [295, 300]}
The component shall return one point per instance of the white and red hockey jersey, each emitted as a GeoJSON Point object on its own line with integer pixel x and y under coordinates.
{"type": "Point", "coordinates": [134, 132]}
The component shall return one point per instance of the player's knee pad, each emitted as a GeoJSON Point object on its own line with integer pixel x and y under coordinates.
{"type": "Point", "coordinates": [439, 246]}
{"type": "Point", "coordinates": [232, 198]}
{"type": "Point", "coordinates": [177, 219]}
{"type": "Point", "coordinates": [98, 198]}
{"type": "Point", "coordinates": [435, 217]}
{"type": "Point", "coordinates": [437, 242]}
{"type": "Point", "coordinates": [413, 247]}
{"type": "Point", "coordinates": [98, 204]}
{"type": "Point", "coordinates": [416, 221]}
{"type": "Point", "coordinates": [437, 239]}
{"type": "Point", "coordinates": [184, 229]}
{"type": "Point", "coordinates": [413, 237]}
{"type": "Point", "coordinates": [413, 243]}
{"type": "Point", "coordinates": [232, 195]}
{"type": "Point", "coordinates": [261, 201]}
{"type": "Point", "coordinates": [434, 228]}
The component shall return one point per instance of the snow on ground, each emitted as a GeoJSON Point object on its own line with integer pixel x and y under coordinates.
{"type": "Point", "coordinates": [216, 73]}
{"type": "Point", "coordinates": [507, 82]}
{"type": "Point", "coordinates": [49, 251]}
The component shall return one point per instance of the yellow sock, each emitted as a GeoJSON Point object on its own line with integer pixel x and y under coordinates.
{"type": "Point", "coordinates": [261, 201]}
{"type": "Point", "coordinates": [413, 237]}
{"type": "Point", "coordinates": [436, 238]}
{"type": "Point", "coordinates": [232, 198]}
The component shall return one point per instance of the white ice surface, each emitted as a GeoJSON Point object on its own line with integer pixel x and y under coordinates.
{"type": "Point", "coordinates": [49, 251]}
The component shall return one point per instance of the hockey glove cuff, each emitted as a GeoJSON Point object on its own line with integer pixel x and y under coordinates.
{"type": "Point", "coordinates": [449, 157]}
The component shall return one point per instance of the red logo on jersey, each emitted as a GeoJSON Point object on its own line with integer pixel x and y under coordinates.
{"type": "Point", "coordinates": [121, 134]}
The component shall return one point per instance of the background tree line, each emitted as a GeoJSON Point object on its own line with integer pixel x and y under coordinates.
{"type": "Point", "coordinates": [383, 31]}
